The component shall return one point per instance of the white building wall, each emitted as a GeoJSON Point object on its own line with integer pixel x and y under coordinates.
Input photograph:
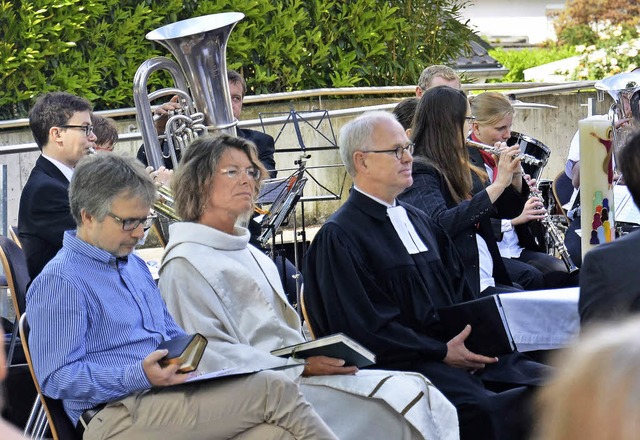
{"type": "Point", "coordinates": [512, 18]}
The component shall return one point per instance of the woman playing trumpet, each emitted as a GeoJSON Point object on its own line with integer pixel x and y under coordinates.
{"type": "Point", "coordinates": [520, 236]}
{"type": "Point", "coordinates": [443, 181]}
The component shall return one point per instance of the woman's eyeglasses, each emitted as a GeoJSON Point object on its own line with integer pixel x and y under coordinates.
{"type": "Point", "coordinates": [234, 172]}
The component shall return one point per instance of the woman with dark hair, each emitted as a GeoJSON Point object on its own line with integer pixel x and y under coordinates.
{"type": "Point", "coordinates": [444, 181]}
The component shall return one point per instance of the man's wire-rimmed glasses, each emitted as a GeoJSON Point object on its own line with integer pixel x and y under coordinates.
{"type": "Point", "coordinates": [399, 151]}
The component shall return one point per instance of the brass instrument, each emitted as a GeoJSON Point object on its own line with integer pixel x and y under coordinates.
{"type": "Point", "coordinates": [526, 158]}
{"type": "Point", "coordinates": [200, 76]}
{"type": "Point", "coordinates": [164, 204]}
{"type": "Point", "coordinates": [621, 88]}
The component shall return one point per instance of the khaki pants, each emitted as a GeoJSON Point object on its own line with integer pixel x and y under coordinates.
{"type": "Point", "coordinates": [261, 406]}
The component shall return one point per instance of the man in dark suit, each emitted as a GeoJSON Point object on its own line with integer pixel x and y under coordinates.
{"type": "Point", "coordinates": [264, 142]}
{"type": "Point", "coordinates": [609, 277]}
{"type": "Point", "coordinates": [238, 88]}
{"type": "Point", "coordinates": [61, 125]}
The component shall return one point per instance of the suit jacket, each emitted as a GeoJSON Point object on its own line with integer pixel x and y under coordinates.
{"type": "Point", "coordinates": [610, 280]}
{"type": "Point", "coordinates": [430, 193]}
{"type": "Point", "coordinates": [44, 214]}
{"type": "Point", "coordinates": [266, 147]}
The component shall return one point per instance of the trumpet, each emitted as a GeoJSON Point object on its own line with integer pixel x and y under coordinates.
{"type": "Point", "coordinates": [526, 158]}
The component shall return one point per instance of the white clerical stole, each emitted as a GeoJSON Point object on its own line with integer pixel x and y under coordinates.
{"type": "Point", "coordinates": [405, 230]}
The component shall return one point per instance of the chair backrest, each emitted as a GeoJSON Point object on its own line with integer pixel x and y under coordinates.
{"type": "Point", "coordinates": [305, 316]}
{"type": "Point", "coordinates": [14, 235]}
{"type": "Point", "coordinates": [14, 264]}
{"type": "Point", "coordinates": [562, 189]}
{"type": "Point", "coordinates": [59, 423]}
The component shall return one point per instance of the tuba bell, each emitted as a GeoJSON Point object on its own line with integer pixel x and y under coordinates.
{"type": "Point", "coordinates": [200, 78]}
{"type": "Point", "coordinates": [623, 88]}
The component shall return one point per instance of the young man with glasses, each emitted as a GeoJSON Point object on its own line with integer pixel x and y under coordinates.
{"type": "Point", "coordinates": [97, 318]}
{"type": "Point", "coordinates": [62, 128]}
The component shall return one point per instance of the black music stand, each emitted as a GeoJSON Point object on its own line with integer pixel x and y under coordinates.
{"type": "Point", "coordinates": [320, 123]}
{"type": "Point", "coordinates": [282, 195]}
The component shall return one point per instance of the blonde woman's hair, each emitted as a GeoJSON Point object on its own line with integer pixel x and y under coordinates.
{"type": "Point", "coordinates": [490, 107]}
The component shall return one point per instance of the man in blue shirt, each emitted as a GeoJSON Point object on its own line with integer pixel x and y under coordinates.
{"type": "Point", "coordinates": [97, 318]}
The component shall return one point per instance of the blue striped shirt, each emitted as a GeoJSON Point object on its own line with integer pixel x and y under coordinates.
{"type": "Point", "coordinates": [93, 319]}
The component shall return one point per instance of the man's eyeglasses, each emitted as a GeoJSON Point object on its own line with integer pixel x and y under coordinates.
{"type": "Point", "coordinates": [88, 129]}
{"type": "Point", "coordinates": [397, 151]}
{"type": "Point", "coordinates": [234, 172]}
{"type": "Point", "coordinates": [129, 224]}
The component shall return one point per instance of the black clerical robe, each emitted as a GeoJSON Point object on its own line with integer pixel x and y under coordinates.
{"type": "Point", "coordinates": [359, 279]}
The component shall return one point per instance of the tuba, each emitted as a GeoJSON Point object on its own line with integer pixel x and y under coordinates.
{"type": "Point", "coordinates": [623, 88]}
{"type": "Point", "coordinates": [200, 80]}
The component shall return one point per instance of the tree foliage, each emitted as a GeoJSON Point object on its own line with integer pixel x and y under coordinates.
{"type": "Point", "coordinates": [580, 21]}
{"type": "Point", "coordinates": [93, 47]}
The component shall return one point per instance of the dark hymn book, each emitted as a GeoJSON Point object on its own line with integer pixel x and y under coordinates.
{"type": "Point", "coordinates": [185, 351]}
{"type": "Point", "coordinates": [338, 346]}
{"type": "Point", "coordinates": [490, 334]}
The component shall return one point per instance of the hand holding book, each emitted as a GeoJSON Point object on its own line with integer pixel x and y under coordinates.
{"type": "Point", "coordinates": [337, 346]}
{"type": "Point", "coordinates": [326, 366]}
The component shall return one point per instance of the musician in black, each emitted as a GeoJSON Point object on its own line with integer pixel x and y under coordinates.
{"type": "Point", "coordinates": [237, 87]}
{"type": "Point", "coordinates": [521, 236]}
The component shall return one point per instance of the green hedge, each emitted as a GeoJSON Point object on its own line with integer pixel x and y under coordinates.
{"type": "Point", "coordinates": [93, 47]}
{"type": "Point", "coordinates": [517, 60]}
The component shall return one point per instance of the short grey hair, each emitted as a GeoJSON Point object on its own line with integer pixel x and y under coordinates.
{"type": "Point", "coordinates": [100, 178]}
{"type": "Point", "coordinates": [357, 135]}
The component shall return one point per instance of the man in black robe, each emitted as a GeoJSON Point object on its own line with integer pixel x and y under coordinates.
{"type": "Point", "coordinates": [379, 269]}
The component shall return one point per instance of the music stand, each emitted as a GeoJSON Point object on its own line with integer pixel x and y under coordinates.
{"type": "Point", "coordinates": [318, 121]}
{"type": "Point", "coordinates": [287, 193]}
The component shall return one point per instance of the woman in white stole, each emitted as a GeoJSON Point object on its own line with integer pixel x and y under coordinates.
{"type": "Point", "coordinates": [216, 284]}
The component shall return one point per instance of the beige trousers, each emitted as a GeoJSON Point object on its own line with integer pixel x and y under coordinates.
{"type": "Point", "coordinates": [261, 406]}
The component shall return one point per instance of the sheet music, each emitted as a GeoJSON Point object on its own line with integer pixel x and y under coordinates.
{"type": "Point", "coordinates": [270, 190]}
{"type": "Point", "coordinates": [227, 372]}
{"type": "Point", "coordinates": [625, 209]}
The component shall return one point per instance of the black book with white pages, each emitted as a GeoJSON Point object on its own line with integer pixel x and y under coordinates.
{"type": "Point", "coordinates": [338, 346]}
{"type": "Point", "coordinates": [490, 334]}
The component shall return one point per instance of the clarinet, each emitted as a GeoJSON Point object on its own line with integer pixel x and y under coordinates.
{"type": "Point", "coordinates": [556, 236]}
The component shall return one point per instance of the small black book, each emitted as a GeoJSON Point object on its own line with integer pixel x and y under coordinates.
{"type": "Point", "coordinates": [338, 346]}
{"type": "Point", "coordinates": [185, 351]}
{"type": "Point", "coordinates": [490, 334]}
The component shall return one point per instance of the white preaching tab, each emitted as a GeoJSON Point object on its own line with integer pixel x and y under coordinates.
{"type": "Point", "coordinates": [405, 229]}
